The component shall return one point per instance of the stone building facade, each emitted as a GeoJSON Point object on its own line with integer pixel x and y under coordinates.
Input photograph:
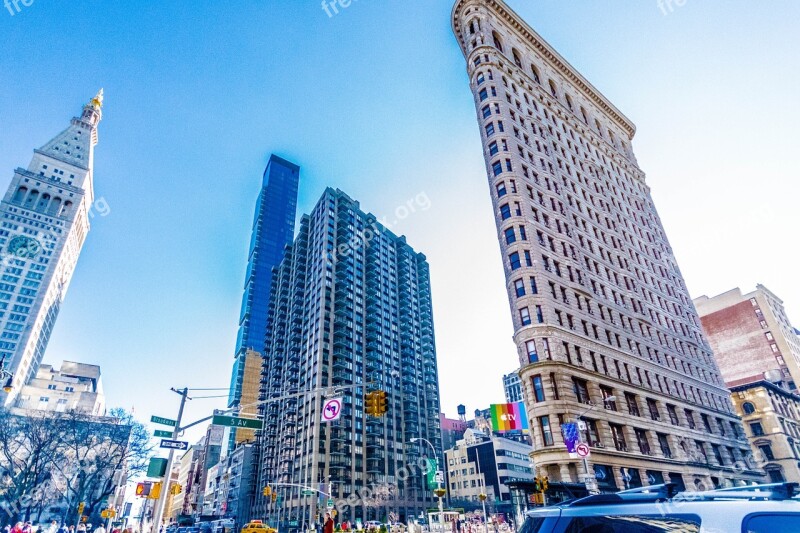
{"type": "Point", "coordinates": [771, 417]}
{"type": "Point", "coordinates": [599, 305]}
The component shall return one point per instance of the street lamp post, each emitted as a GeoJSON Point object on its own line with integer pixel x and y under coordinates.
{"type": "Point", "coordinates": [439, 492]}
{"type": "Point", "coordinates": [585, 461]}
{"type": "Point", "coordinates": [6, 376]}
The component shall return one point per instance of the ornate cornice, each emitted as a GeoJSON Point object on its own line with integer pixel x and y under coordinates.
{"type": "Point", "coordinates": [548, 52]}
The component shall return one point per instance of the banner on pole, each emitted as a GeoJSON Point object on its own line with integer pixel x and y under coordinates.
{"type": "Point", "coordinates": [571, 437]}
{"type": "Point", "coordinates": [509, 416]}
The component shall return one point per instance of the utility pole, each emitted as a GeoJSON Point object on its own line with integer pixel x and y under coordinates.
{"type": "Point", "coordinates": [162, 498]}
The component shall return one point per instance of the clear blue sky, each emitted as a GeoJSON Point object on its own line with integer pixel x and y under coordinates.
{"type": "Point", "coordinates": [375, 101]}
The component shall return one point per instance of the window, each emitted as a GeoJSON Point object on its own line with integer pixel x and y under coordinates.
{"type": "Point", "coordinates": [664, 443]}
{"type": "Point", "coordinates": [748, 408]}
{"type": "Point", "coordinates": [493, 148]}
{"type": "Point", "coordinates": [581, 390]}
{"type": "Point", "coordinates": [547, 434]}
{"type": "Point", "coordinates": [501, 189]}
{"type": "Point", "coordinates": [519, 288]}
{"type": "Point", "coordinates": [511, 237]}
{"type": "Point", "coordinates": [530, 346]}
{"type": "Point", "coordinates": [525, 316]}
{"type": "Point", "coordinates": [483, 94]}
{"type": "Point", "coordinates": [513, 259]}
{"type": "Point", "coordinates": [538, 389]}
{"type": "Point", "coordinates": [611, 405]}
{"type": "Point", "coordinates": [51, 387]}
{"type": "Point", "coordinates": [505, 212]}
{"type": "Point", "coordinates": [652, 406]}
{"type": "Point", "coordinates": [618, 435]}
{"type": "Point", "coordinates": [766, 452]}
{"type": "Point", "coordinates": [490, 129]}
{"type": "Point", "coordinates": [497, 168]}
{"type": "Point", "coordinates": [633, 406]}
{"type": "Point", "coordinates": [690, 418]}
{"type": "Point", "coordinates": [641, 439]}
{"type": "Point", "coordinates": [757, 429]}
{"type": "Point", "coordinates": [673, 415]}
{"type": "Point", "coordinates": [771, 522]}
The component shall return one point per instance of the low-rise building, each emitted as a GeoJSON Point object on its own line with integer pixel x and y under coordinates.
{"type": "Point", "coordinates": [771, 417]}
{"type": "Point", "coordinates": [73, 387]}
{"type": "Point", "coordinates": [480, 463]}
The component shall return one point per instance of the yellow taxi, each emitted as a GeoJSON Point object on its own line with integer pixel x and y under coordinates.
{"type": "Point", "coordinates": [258, 526]}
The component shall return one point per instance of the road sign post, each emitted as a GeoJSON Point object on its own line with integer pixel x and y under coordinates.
{"type": "Point", "coordinates": [162, 498]}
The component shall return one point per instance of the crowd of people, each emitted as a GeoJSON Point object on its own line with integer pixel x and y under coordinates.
{"type": "Point", "coordinates": [54, 527]}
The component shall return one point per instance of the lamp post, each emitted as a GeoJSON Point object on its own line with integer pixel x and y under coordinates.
{"type": "Point", "coordinates": [6, 376]}
{"type": "Point", "coordinates": [439, 492]}
{"type": "Point", "coordinates": [590, 486]}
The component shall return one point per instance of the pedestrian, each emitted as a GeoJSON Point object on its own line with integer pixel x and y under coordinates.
{"type": "Point", "coordinates": [18, 528]}
{"type": "Point", "coordinates": [328, 527]}
{"type": "Point", "coordinates": [100, 529]}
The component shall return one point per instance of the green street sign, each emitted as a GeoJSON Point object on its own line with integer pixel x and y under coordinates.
{"type": "Point", "coordinates": [307, 493]}
{"type": "Point", "coordinates": [233, 422]}
{"type": "Point", "coordinates": [162, 433]}
{"type": "Point", "coordinates": [163, 421]}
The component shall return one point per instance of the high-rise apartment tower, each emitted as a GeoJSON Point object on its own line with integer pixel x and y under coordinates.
{"type": "Point", "coordinates": [350, 313]}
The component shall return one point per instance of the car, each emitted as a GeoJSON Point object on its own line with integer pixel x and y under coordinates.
{"type": "Point", "coordinates": [770, 508]}
{"type": "Point", "coordinates": [257, 526]}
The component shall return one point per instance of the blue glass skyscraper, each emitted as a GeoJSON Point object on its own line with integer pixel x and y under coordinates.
{"type": "Point", "coordinates": [273, 229]}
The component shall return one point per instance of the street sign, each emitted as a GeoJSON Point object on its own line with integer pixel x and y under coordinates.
{"type": "Point", "coordinates": [331, 409]}
{"type": "Point", "coordinates": [307, 492]}
{"type": "Point", "coordinates": [162, 433]}
{"type": "Point", "coordinates": [163, 421]}
{"type": "Point", "coordinates": [108, 513]}
{"type": "Point", "coordinates": [234, 422]}
{"type": "Point", "coordinates": [174, 444]}
{"type": "Point", "coordinates": [439, 479]}
{"type": "Point", "coordinates": [582, 449]}
{"type": "Point", "coordinates": [330, 504]}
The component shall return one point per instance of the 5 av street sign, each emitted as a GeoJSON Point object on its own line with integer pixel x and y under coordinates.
{"type": "Point", "coordinates": [233, 422]}
{"type": "Point", "coordinates": [163, 421]}
{"type": "Point", "coordinates": [162, 433]}
{"type": "Point", "coordinates": [174, 444]}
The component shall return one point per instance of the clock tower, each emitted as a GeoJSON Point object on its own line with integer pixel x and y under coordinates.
{"type": "Point", "coordinates": [45, 219]}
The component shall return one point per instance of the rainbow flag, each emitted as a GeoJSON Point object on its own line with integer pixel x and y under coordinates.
{"type": "Point", "coordinates": [509, 416]}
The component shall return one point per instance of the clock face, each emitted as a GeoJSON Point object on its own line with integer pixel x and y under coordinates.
{"type": "Point", "coordinates": [24, 247]}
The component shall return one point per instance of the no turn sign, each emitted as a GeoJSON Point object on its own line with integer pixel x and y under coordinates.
{"type": "Point", "coordinates": [582, 449]}
{"type": "Point", "coordinates": [331, 409]}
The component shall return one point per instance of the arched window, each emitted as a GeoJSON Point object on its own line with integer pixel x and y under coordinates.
{"type": "Point", "coordinates": [553, 89]}
{"type": "Point", "coordinates": [583, 114]}
{"type": "Point", "coordinates": [472, 27]}
{"type": "Point", "coordinates": [42, 205]}
{"type": "Point", "coordinates": [569, 102]}
{"type": "Point", "coordinates": [55, 206]}
{"type": "Point", "coordinates": [535, 72]}
{"type": "Point", "coordinates": [498, 42]}
{"type": "Point", "coordinates": [517, 60]}
{"type": "Point", "coordinates": [748, 408]}
{"type": "Point", "coordinates": [32, 198]}
{"type": "Point", "coordinates": [20, 194]}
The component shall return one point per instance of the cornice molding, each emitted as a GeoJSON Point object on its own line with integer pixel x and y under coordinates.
{"type": "Point", "coordinates": [548, 52]}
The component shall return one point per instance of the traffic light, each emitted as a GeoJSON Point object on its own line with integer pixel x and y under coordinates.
{"type": "Point", "coordinates": [482, 497]}
{"type": "Point", "coordinates": [155, 491]}
{"type": "Point", "coordinates": [537, 484]}
{"type": "Point", "coordinates": [267, 491]}
{"type": "Point", "coordinates": [545, 483]}
{"type": "Point", "coordinates": [371, 403]}
{"type": "Point", "coordinates": [143, 489]}
{"type": "Point", "coordinates": [175, 489]}
{"type": "Point", "coordinates": [81, 507]}
{"type": "Point", "coordinates": [382, 402]}
{"type": "Point", "coordinates": [275, 496]}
